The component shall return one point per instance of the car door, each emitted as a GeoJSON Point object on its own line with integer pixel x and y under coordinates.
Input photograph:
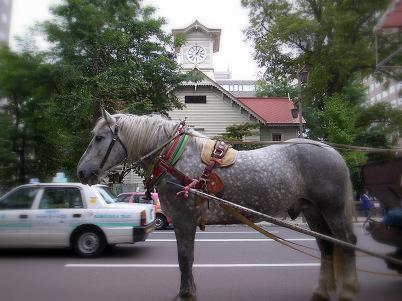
{"type": "Point", "coordinates": [16, 216]}
{"type": "Point", "coordinates": [59, 209]}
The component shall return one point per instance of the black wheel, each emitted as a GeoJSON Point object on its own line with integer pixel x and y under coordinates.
{"type": "Point", "coordinates": [89, 243]}
{"type": "Point", "coordinates": [160, 222]}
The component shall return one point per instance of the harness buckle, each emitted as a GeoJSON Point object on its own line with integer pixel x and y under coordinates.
{"type": "Point", "coordinates": [217, 152]}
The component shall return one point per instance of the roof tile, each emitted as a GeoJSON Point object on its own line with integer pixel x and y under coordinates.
{"type": "Point", "coordinates": [274, 110]}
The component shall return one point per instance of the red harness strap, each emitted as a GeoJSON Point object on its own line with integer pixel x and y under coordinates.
{"type": "Point", "coordinates": [218, 153]}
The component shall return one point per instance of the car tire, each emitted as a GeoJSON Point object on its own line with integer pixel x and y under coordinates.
{"type": "Point", "coordinates": [89, 243]}
{"type": "Point", "coordinates": [160, 222]}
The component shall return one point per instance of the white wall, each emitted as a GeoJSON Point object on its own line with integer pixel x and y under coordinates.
{"type": "Point", "coordinates": [214, 116]}
{"type": "Point", "coordinates": [287, 132]}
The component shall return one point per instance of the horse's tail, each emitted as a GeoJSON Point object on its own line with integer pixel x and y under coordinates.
{"type": "Point", "coordinates": [350, 211]}
{"type": "Point", "coordinates": [339, 255]}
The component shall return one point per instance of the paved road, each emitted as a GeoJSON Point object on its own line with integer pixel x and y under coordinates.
{"type": "Point", "coordinates": [232, 263]}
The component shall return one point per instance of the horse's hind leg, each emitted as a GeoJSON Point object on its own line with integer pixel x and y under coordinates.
{"type": "Point", "coordinates": [326, 280]}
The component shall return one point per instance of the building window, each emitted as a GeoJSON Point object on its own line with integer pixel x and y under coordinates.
{"type": "Point", "coordinates": [276, 137]}
{"type": "Point", "coordinates": [195, 99]}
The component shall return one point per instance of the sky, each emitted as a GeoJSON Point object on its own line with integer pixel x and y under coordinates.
{"type": "Point", "coordinates": [235, 53]}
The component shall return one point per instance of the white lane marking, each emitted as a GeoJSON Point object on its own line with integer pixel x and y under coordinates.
{"type": "Point", "coordinates": [230, 265]}
{"type": "Point", "coordinates": [230, 239]}
{"type": "Point", "coordinates": [217, 232]}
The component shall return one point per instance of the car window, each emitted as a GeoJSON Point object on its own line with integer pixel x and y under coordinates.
{"type": "Point", "coordinates": [107, 194]}
{"type": "Point", "coordinates": [21, 198]}
{"type": "Point", "coordinates": [61, 198]}
{"type": "Point", "coordinates": [123, 198]}
{"type": "Point", "coordinates": [144, 200]}
{"type": "Point", "coordinates": [136, 199]}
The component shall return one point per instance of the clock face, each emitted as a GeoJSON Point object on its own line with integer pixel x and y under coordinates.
{"type": "Point", "coordinates": [196, 54]}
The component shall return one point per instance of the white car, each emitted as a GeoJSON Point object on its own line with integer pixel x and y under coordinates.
{"type": "Point", "coordinates": [85, 218]}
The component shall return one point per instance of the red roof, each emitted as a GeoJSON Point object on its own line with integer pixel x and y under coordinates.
{"type": "Point", "coordinates": [276, 110]}
{"type": "Point", "coordinates": [392, 18]}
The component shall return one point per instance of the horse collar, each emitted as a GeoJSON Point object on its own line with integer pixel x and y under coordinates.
{"type": "Point", "coordinates": [168, 157]}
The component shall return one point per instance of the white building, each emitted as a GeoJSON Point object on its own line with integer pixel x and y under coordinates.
{"type": "Point", "coordinates": [216, 102]}
{"type": "Point", "coordinates": [389, 92]}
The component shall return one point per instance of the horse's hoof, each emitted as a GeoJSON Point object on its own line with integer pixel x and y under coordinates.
{"type": "Point", "coordinates": [319, 297]}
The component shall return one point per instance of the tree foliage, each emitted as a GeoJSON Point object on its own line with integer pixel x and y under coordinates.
{"type": "Point", "coordinates": [112, 53]}
{"type": "Point", "coordinates": [103, 52]}
{"type": "Point", "coordinates": [334, 42]}
{"type": "Point", "coordinates": [28, 145]}
{"type": "Point", "coordinates": [237, 132]}
{"type": "Point", "coordinates": [277, 88]}
{"type": "Point", "coordinates": [115, 52]}
{"type": "Point", "coordinates": [331, 39]}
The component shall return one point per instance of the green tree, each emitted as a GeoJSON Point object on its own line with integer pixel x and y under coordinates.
{"type": "Point", "coordinates": [378, 126]}
{"type": "Point", "coordinates": [334, 42]}
{"type": "Point", "coordinates": [237, 132]}
{"type": "Point", "coordinates": [331, 39]}
{"type": "Point", "coordinates": [27, 140]}
{"type": "Point", "coordinates": [277, 88]}
{"type": "Point", "coordinates": [112, 53]}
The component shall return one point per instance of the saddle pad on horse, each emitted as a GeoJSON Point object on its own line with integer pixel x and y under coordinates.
{"type": "Point", "coordinates": [229, 158]}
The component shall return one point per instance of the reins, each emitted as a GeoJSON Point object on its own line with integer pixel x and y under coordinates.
{"type": "Point", "coordinates": [230, 208]}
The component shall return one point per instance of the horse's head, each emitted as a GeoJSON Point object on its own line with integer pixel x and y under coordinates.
{"type": "Point", "coordinates": [103, 152]}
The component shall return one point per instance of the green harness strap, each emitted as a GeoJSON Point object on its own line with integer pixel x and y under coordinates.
{"type": "Point", "coordinates": [176, 154]}
{"type": "Point", "coordinates": [179, 149]}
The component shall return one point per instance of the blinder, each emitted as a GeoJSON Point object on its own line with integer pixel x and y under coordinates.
{"type": "Point", "coordinates": [115, 137]}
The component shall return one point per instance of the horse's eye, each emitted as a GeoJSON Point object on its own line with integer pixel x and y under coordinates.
{"type": "Point", "coordinates": [98, 138]}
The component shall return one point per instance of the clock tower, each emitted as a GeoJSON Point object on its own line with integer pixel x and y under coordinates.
{"type": "Point", "coordinates": [197, 52]}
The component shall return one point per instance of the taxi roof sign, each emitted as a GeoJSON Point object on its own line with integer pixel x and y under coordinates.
{"type": "Point", "coordinates": [60, 178]}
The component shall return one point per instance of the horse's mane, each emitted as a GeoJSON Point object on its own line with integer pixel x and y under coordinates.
{"type": "Point", "coordinates": [142, 134]}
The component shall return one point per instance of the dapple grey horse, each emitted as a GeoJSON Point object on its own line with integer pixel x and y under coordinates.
{"type": "Point", "coordinates": [301, 176]}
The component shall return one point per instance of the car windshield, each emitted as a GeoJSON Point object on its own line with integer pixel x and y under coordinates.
{"type": "Point", "coordinates": [107, 194]}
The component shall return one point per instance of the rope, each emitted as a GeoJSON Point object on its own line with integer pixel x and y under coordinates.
{"type": "Point", "coordinates": [241, 218]}
{"type": "Point", "coordinates": [226, 205]}
{"type": "Point", "coordinates": [364, 149]}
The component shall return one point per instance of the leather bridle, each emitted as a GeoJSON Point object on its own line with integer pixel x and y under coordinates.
{"type": "Point", "coordinates": [115, 137]}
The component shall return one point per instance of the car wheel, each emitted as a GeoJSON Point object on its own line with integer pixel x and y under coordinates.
{"type": "Point", "coordinates": [89, 243]}
{"type": "Point", "coordinates": [160, 222]}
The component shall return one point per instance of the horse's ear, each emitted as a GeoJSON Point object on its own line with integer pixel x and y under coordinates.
{"type": "Point", "coordinates": [109, 118]}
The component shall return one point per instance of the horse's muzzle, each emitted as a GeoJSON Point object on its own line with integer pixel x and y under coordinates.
{"type": "Point", "coordinates": [87, 178]}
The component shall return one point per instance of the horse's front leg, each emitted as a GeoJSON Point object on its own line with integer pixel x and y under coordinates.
{"type": "Point", "coordinates": [185, 227]}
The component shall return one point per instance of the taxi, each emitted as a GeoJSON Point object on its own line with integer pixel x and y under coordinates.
{"type": "Point", "coordinates": [85, 218]}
